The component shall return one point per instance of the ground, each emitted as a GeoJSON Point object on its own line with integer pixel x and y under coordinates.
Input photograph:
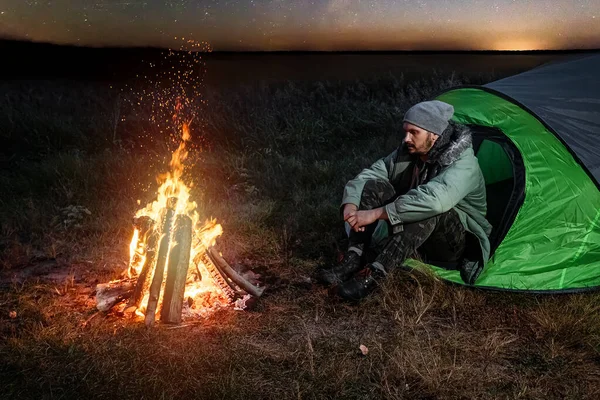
{"type": "Point", "coordinates": [269, 163]}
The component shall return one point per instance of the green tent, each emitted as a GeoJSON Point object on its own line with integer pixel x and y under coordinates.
{"type": "Point", "coordinates": [537, 139]}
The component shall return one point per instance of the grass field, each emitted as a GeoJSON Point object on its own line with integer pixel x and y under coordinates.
{"type": "Point", "coordinates": [269, 163]}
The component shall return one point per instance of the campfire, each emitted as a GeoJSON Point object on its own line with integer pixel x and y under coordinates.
{"type": "Point", "coordinates": [174, 268]}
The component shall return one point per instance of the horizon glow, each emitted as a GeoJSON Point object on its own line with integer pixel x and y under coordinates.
{"type": "Point", "coordinates": [327, 25]}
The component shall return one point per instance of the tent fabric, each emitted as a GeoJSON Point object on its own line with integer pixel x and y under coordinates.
{"type": "Point", "coordinates": [566, 97]}
{"type": "Point", "coordinates": [554, 241]}
{"type": "Point", "coordinates": [494, 163]}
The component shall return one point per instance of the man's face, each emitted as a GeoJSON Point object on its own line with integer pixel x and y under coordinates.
{"type": "Point", "coordinates": [418, 141]}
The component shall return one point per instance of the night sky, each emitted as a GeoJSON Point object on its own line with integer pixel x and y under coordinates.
{"type": "Point", "coordinates": [309, 25]}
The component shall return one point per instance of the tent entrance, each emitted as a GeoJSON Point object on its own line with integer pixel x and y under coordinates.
{"type": "Point", "coordinates": [504, 174]}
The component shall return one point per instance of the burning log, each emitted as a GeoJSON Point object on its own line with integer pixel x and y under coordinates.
{"type": "Point", "coordinates": [109, 294]}
{"type": "Point", "coordinates": [146, 226]}
{"type": "Point", "coordinates": [216, 275]}
{"type": "Point", "coordinates": [179, 262]}
{"type": "Point", "coordinates": [142, 227]}
{"type": "Point", "coordinates": [159, 270]}
{"type": "Point", "coordinates": [232, 274]}
{"type": "Point", "coordinates": [222, 274]}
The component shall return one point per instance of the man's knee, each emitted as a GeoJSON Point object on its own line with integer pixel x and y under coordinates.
{"type": "Point", "coordinates": [417, 233]}
{"type": "Point", "coordinates": [447, 242]}
{"type": "Point", "coordinates": [376, 193]}
{"type": "Point", "coordinates": [405, 241]}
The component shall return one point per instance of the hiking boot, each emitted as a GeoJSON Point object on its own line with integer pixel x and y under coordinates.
{"type": "Point", "coordinates": [350, 264]}
{"type": "Point", "coordinates": [362, 284]}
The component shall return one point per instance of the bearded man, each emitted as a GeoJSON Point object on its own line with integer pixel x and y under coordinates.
{"type": "Point", "coordinates": [427, 197]}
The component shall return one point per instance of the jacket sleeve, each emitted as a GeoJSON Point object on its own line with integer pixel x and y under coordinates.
{"type": "Point", "coordinates": [379, 170]}
{"type": "Point", "coordinates": [438, 195]}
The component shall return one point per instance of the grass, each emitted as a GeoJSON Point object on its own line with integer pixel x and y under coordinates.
{"type": "Point", "coordinates": [274, 161]}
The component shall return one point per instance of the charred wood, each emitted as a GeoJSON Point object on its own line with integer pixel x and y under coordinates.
{"type": "Point", "coordinates": [144, 225]}
{"type": "Point", "coordinates": [216, 275]}
{"type": "Point", "coordinates": [232, 274]}
{"type": "Point", "coordinates": [231, 284]}
{"type": "Point", "coordinates": [150, 237]}
{"type": "Point", "coordinates": [109, 294]}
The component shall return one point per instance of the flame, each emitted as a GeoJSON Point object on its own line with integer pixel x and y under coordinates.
{"type": "Point", "coordinates": [172, 185]}
{"type": "Point", "coordinates": [137, 255]}
{"type": "Point", "coordinates": [199, 284]}
{"type": "Point", "coordinates": [133, 245]}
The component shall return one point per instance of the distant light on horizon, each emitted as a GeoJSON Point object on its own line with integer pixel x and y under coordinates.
{"type": "Point", "coordinates": [519, 45]}
{"type": "Point", "coordinates": [267, 25]}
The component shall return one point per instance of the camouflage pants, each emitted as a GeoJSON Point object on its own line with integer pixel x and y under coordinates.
{"type": "Point", "coordinates": [439, 238]}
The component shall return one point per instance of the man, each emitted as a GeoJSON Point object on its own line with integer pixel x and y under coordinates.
{"type": "Point", "coordinates": [426, 197]}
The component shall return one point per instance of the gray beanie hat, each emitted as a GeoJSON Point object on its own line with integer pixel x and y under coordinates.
{"type": "Point", "coordinates": [433, 116]}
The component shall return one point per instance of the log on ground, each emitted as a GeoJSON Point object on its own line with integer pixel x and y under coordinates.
{"type": "Point", "coordinates": [109, 294]}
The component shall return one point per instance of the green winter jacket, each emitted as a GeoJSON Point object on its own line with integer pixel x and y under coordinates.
{"type": "Point", "coordinates": [458, 184]}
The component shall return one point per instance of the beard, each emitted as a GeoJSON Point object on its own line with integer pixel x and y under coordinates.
{"type": "Point", "coordinates": [424, 148]}
{"type": "Point", "coordinates": [428, 143]}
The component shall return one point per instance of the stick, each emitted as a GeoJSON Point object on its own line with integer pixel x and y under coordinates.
{"type": "Point", "coordinates": [87, 321]}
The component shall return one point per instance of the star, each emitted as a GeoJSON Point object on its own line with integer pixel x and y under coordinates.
{"type": "Point", "coordinates": [318, 24]}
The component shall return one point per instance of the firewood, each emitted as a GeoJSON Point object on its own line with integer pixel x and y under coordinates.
{"type": "Point", "coordinates": [144, 225]}
{"type": "Point", "coordinates": [149, 235]}
{"type": "Point", "coordinates": [216, 275]}
{"type": "Point", "coordinates": [179, 262]}
{"type": "Point", "coordinates": [232, 274]}
{"type": "Point", "coordinates": [221, 278]}
{"type": "Point", "coordinates": [109, 294]}
{"type": "Point", "coordinates": [232, 285]}
{"type": "Point", "coordinates": [159, 270]}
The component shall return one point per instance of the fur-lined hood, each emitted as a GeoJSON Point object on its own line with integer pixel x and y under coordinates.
{"type": "Point", "coordinates": [455, 139]}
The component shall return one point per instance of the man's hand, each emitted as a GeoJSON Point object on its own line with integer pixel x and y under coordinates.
{"type": "Point", "coordinates": [349, 209]}
{"type": "Point", "coordinates": [359, 219]}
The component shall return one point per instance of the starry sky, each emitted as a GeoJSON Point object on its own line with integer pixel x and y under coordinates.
{"type": "Point", "coordinates": [267, 25]}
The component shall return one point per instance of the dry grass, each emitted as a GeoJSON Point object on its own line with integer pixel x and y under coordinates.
{"type": "Point", "coordinates": [275, 162]}
{"type": "Point", "coordinates": [425, 340]}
